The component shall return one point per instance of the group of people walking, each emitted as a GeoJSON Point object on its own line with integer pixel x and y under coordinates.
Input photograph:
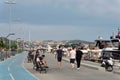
{"type": "Point", "coordinates": [75, 55]}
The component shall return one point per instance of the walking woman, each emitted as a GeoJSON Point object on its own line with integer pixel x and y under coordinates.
{"type": "Point", "coordinates": [79, 55]}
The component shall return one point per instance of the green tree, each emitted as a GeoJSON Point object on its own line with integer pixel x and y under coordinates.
{"type": "Point", "coordinates": [13, 46]}
{"type": "Point", "coordinates": [2, 44]}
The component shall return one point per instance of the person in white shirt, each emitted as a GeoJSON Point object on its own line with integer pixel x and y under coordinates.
{"type": "Point", "coordinates": [72, 55]}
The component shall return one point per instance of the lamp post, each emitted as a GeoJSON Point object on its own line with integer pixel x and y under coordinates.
{"type": "Point", "coordinates": [10, 12]}
{"type": "Point", "coordinates": [10, 34]}
{"type": "Point", "coordinates": [17, 43]}
{"type": "Point", "coordinates": [9, 42]}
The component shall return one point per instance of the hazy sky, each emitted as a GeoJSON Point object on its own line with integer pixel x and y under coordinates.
{"type": "Point", "coordinates": [60, 19]}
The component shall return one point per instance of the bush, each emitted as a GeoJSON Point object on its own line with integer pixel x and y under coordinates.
{"type": "Point", "coordinates": [19, 50]}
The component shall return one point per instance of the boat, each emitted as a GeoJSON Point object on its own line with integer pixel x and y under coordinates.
{"type": "Point", "coordinates": [109, 48]}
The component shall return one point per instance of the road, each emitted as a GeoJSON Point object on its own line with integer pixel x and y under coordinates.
{"type": "Point", "coordinates": [12, 69]}
{"type": "Point", "coordinates": [67, 73]}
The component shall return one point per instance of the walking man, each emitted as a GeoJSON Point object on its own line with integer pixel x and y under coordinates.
{"type": "Point", "coordinates": [79, 55]}
{"type": "Point", "coordinates": [72, 55]}
{"type": "Point", "coordinates": [58, 55]}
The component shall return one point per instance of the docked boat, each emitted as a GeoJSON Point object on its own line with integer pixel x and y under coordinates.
{"type": "Point", "coordinates": [106, 48]}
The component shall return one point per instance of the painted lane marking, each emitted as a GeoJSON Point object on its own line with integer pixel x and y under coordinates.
{"type": "Point", "coordinates": [27, 70]}
{"type": "Point", "coordinates": [13, 61]}
{"type": "Point", "coordinates": [8, 69]}
{"type": "Point", "coordinates": [30, 73]}
{"type": "Point", "coordinates": [12, 76]}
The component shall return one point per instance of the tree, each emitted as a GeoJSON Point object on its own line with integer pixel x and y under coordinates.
{"type": "Point", "coordinates": [2, 44]}
{"type": "Point", "coordinates": [13, 46]}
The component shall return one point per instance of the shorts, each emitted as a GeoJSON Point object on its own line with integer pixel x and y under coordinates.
{"type": "Point", "coordinates": [59, 59]}
{"type": "Point", "coordinates": [72, 60]}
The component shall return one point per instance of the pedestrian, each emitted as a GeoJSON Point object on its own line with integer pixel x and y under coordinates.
{"type": "Point", "coordinates": [58, 55]}
{"type": "Point", "coordinates": [72, 56]}
{"type": "Point", "coordinates": [36, 58]}
{"type": "Point", "coordinates": [79, 55]}
{"type": "Point", "coordinates": [44, 61]}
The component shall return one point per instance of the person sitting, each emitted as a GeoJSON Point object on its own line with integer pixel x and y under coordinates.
{"type": "Point", "coordinates": [44, 62]}
{"type": "Point", "coordinates": [41, 60]}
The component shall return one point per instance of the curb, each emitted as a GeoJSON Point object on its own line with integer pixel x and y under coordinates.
{"type": "Point", "coordinates": [88, 65]}
{"type": "Point", "coordinates": [92, 66]}
{"type": "Point", "coordinates": [117, 72]}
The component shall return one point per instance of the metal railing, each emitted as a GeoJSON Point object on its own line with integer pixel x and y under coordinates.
{"type": "Point", "coordinates": [5, 55]}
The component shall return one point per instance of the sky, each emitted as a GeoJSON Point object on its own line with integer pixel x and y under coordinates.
{"type": "Point", "coordinates": [60, 19]}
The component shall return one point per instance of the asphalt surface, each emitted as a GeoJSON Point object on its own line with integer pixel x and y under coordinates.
{"type": "Point", "coordinates": [68, 73]}
{"type": "Point", "coordinates": [12, 69]}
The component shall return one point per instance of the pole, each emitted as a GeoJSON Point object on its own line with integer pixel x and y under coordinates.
{"type": "Point", "coordinates": [10, 16]}
{"type": "Point", "coordinates": [29, 40]}
{"type": "Point", "coordinates": [9, 40]}
{"type": "Point", "coordinates": [17, 43]}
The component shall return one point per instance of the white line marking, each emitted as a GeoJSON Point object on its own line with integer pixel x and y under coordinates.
{"type": "Point", "coordinates": [8, 69]}
{"type": "Point", "coordinates": [27, 70]}
{"type": "Point", "coordinates": [13, 61]}
{"type": "Point", "coordinates": [12, 76]}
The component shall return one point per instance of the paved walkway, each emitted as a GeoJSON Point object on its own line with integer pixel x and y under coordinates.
{"type": "Point", "coordinates": [89, 64]}
{"type": "Point", "coordinates": [53, 72]}
{"type": "Point", "coordinates": [97, 66]}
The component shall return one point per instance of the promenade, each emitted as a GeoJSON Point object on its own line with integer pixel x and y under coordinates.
{"type": "Point", "coordinates": [88, 71]}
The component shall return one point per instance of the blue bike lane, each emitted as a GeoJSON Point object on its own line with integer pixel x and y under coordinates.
{"type": "Point", "coordinates": [12, 69]}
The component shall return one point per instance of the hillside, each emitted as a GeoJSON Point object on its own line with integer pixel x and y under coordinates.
{"type": "Point", "coordinates": [78, 41]}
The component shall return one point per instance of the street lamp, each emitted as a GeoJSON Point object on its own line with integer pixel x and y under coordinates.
{"type": "Point", "coordinates": [9, 42]}
{"type": "Point", "coordinates": [10, 2]}
{"type": "Point", "coordinates": [17, 43]}
{"type": "Point", "coordinates": [10, 14]}
{"type": "Point", "coordinates": [10, 34]}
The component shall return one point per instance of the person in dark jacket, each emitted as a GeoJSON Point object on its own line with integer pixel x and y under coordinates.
{"type": "Point", "coordinates": [79, 55]}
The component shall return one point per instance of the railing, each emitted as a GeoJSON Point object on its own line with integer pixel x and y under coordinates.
{"type": "Point", "coordinates": [4, 55]}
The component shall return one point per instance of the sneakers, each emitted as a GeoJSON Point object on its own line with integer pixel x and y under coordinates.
{"type": "Point", "coordinates": [73, 66]}
{"type": "Point", "coordinates": [78, 68]}
{"type": "Point", "coordinates": [46, 67]}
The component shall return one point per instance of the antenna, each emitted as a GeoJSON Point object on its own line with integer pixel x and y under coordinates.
{"type": "Point", "coordinates": [118, 29]}
{"type": "Point", "coordinates": [112, 36]}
